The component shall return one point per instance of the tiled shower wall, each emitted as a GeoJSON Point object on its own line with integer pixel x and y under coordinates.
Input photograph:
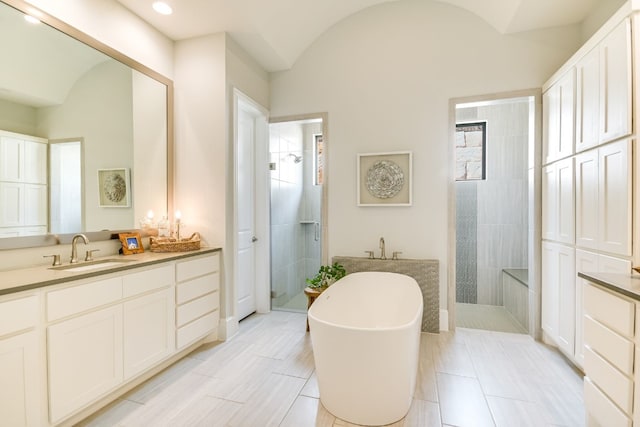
{"type": "Point", "coordinates": [294, 202]}
{"type": "Point", "coordinates": [501, 234]}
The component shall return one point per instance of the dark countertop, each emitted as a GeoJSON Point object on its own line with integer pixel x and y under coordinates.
{"type": "Point", "coordinates": [520, 274]}
{"type": "Point", "coordinates": [12, 281]}
{"type": "Point", "coordinates": [625, 284]}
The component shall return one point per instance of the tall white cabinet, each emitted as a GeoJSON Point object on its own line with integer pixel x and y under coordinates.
{"type": "Point", "coordinates": [23, 185]}
{"type": "Point", "coordinates": [587, 212]}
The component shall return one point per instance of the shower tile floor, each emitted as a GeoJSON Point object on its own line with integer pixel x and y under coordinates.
{"type": "Point", "coordinates": [487, 317]}
{"type": "Point", "coordinates": [264, 376]}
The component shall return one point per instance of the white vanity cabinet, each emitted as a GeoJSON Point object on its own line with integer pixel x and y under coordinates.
{"type": "Point", "coordinates": [20, 374]}
{"type": "Point", "coordinates": [197, 298]}
{"type": "Point", "coordinates": [105, 332]}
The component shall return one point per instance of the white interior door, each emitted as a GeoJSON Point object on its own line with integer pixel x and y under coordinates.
{"type": "Point", "coordinates": [245, 239]}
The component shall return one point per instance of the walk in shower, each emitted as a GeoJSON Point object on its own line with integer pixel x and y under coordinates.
{"type": "Point", "coordinates": [296, 150]}
{"type": "Point", "coordinates": [492, 140]}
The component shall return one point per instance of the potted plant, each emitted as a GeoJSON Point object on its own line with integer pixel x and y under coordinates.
{"type": "Point", "coordinates": [327, 275]}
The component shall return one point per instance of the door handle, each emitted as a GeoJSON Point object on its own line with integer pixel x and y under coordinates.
{"type": "Point", "coordinates": [254, 239]}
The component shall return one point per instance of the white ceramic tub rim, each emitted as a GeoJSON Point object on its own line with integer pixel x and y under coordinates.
{"type": "Point", "coordinates": [373, 328]}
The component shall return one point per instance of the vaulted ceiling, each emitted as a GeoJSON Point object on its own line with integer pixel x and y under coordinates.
{"type": "Point", "coordinates": [276, 32]}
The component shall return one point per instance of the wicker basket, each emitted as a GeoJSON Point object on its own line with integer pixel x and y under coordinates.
{"type": "Point", "coordinates": [166, 244]}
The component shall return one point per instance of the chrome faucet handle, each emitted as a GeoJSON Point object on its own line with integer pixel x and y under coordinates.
{"type": "Point", "coordinates": [395, 255]}
{"type": "Point", "coordinates": [370, 254]}
{"type": "Point", "coordinates": [89, 254]}
{"type": "Point", "coordinates": [56, 259]}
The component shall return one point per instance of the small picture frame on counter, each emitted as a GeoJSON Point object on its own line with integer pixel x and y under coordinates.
{"type": "Point", "coordinates": [131, 243]}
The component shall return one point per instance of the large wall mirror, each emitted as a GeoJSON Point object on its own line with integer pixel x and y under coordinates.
{"type": "Point", "coordinates": [85, 136]}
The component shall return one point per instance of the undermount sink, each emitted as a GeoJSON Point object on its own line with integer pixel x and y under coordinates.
{"type": "Point", "coordinates": [91, 265]}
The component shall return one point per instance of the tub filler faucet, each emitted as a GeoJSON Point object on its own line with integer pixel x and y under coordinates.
{"type": "Point", "coordinates": [382, 255]}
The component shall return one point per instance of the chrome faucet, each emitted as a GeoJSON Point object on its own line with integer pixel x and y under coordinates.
{"type": "Point", "coordinates": [382, 255]}
{"type": "Point", "coordinates": [74, 249]}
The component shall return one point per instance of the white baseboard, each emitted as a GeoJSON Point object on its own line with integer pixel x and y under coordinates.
{"type": "Point", "coordinates": [444, 320]}
{"type": "Point", "coordinates": [227, 328]}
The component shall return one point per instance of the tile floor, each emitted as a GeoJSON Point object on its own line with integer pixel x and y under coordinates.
{"type": "Point", "coordinates": [264, 376]}
{"type": "Point", "coordinates": [488, 317]}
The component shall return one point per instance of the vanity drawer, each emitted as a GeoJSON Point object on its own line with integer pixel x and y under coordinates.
{"type": "Point", "coordinates": [77, 299]}
{"type": "Point", "coordinates": [18, 314]}
{"type": "Point", "coordinates": [610, 310]}
{"type": "Point", "coordinates": [197, 287]}
{"type": "Point", "coordinates": [147, 280]}
{"type": "Point", "coordinates": [197, 329]}
{"type": "Point", "coordinates": [186, 270]}
{"type": "Point", "coordinates": [612, 382]}
{"type": "Point", "coordinates": [602, 409]}
{"type": "Point", "coordinates": [614, 348]}
{"type": "Point", "coordinates": [196, 308]}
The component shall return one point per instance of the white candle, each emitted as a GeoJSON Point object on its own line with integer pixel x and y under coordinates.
{"type": "Point", "coordinates": [178, 216]}
{"type": "Point", "coordinates": [150, 214]}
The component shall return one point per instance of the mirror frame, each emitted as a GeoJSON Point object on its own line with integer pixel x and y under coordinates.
{"type": "Point", "coordinates": [52, 239]}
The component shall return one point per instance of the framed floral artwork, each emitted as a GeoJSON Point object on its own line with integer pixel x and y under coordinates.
{"type": "Point", "coordinates": [385, 179]}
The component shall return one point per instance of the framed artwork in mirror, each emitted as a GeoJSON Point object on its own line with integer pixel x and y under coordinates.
{"type": "Point", "coordinates": [114, 188]}
{"type": "Point", "coordinates": [131, 243]}
{"type": "Point", "coordinates": [384, 179]}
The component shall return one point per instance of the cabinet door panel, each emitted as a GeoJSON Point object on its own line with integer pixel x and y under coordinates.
{"type": "Point", "coordinates": [550, 124]}
{"type": "Point", "coordinates": [566, 201]}
{"type": "Point", "coordinates": [614, 228]}
{"type": "Point", "coordinates": [35, 197]}
{"type": "Point", "coordinates": [35, 164]}
{"type": "Point", "coordinates": [549, 290]}
{"type": "Point", "coordinates": [587, 101]}
{"type": "Point", "coordinates": [85, 360]}
{"type": "Point", "coordinates": [148, 331]}
{"type": "Point", "coordinates": [19, 394]}
{"type": "Point", "coordinates": [11, 204]}
{"type": "Point", "coordinates": [586, 171]}
{"type": "Point", "coordinates": [567, 298]}
{"type": "Point", "coordinates": [11, 161]}
{"type": "Point", "coordinates": [549, 203]}
{"type": "Point", "coordinates": [567, 122]}
{"type": "Point", "coordinates": [615, 88]}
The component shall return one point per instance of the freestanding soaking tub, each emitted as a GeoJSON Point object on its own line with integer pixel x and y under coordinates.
{"type": "Point", "coordinates": [365, 333]}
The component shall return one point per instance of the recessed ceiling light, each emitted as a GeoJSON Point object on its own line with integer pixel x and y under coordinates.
{"type": "Point", "coordinates": [162, 8]}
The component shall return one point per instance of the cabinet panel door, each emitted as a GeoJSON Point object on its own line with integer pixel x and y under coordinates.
{"type": "Point", "coordinates": [11, 153]}
{"type": "Point", "coordinates": [35, 197]}
{"type": "Point", "coordinates": [587, 100]}
{"type": "Point", "coordinates": [85, 360]}
{"type": "Point", "coordinates": [19, 394]}
{"type": "Point", "coordinates": [614, 227]}
{"type": "Point", "coordinates": [35, 162]}
{"type": "Point", "coordinates": [149, 334]}
{"type": "Point", "coordinates": [586, 169]}
{"type": "Point", "coordinates": [567, 298]}
{"type": "Point", "coordinates": [585, 262]}
{"type": "Point", "coordinates": [566, 201]}
{"type": "Point", "coordinates": [567, 122]}
{"type": "Point", "coordinates": [550, 124]}
{"type": "Point", "coordinates": [11, 204]}
{"type": "Point", "coordinates": [615, 85]}
{"type": "Point", "coordinates": [549, 203]}
{"type": "Point", "coordinates": [549, 289]}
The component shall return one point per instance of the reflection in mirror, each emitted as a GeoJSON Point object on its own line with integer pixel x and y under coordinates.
{"type": "Point", "coordinates": [68, 110]}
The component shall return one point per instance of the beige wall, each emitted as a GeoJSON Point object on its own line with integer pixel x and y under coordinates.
{"type": "Point", "coordinates": [385, 77]}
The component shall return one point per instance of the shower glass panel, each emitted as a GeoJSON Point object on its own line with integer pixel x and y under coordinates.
{"type": "Point", "coordinates": [296, 202]}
